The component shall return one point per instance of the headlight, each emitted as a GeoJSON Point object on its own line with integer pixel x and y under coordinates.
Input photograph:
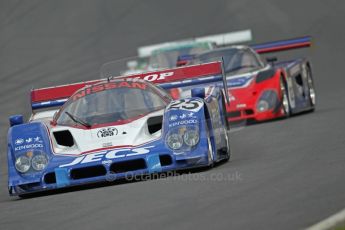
{"type": "Point", "coordinates": [268, 100]}
{"type": "Point", "coordinates": [39, 162]}
{"type": "Point", "coordinates": [23, 164]}
{"type": "Point", "coordinates": [183, 138]}
{"type": "Point", "coordinates": [263, 106]}
{"type": "Point", "coordinates": [191, 137]}
{"type": "Point", "coordinates": [174, 141]}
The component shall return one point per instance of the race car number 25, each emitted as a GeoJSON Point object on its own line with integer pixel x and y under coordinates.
{"type": "Point", "coordinates": [187, 104]}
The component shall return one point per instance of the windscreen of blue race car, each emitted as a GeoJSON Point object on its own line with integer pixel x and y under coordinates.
{"type": "Point", "coordinates": [111, 102]}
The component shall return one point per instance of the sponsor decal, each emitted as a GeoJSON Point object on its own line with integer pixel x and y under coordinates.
{"type": "Point", "coordinates": [38, 140]}
{"type": "Point", "coordinates": [238, 82]}
{"type": "Point", "coordinates": [106, 156]}
{"type": "Point", "coordinates": [239, 106]}
{"type": "Point", "coordinates": [183, 122]}
{"type": "Point", "coordinates": [186, 118]}
{"type": "Point", "coordinates": [107, 132]}
{"type": "Point", "coordinates": [187, 115]}
{"type": "Point", "coordinates": [183, 116]}
{"type": "Point", "coordinates": [156, 76]}
{"type": "Point", "coordinates": [107, 162]}
{"type": "Point", "coordinates": [28, 143]}
{"type": "Point", "coordinates": [28, 140]}
{"type": "Point", "coordinates": [191, 115]}
{"type": "Point", "coordinates": [29, 146]}
{"type": "Point", "coordinates": [173, 118]}
{"type": "Point", "coordinates": [19, 141]}
{"type": "Point", "coordinates": [106, 86]}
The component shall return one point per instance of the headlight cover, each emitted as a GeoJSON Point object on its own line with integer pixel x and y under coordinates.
{"type": "Point", "coordinates": [174, 141]}
{"type": "Point", "coordinates": [183, 138]}
{"type": "Point", "coordinates": [23, 164]}
{"type": "Point", "coordinates": [31, 161]}
{"type": "Point", "coordinates": [263, 106]}
{"type": "Point", "coordinates": [191, 137]}
{"type": "Point", "coordinates": [268, 100]}
{"type": "Point", "coordinates": [39, 162]}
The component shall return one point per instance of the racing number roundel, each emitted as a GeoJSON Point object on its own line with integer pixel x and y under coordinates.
{"type": "Point", "coordinates": [187, 104]}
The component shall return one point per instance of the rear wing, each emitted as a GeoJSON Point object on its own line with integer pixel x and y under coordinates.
{"type": "Point", "coordinates": [268, 47]}
{"type": "Point", "coordinates": [218, 39]}
{"type": "Point", "coordinates": [170, 78]}
{"type": "Point", "coordinates": [55, 96]}
{"type": "Point", "coordinates": [282, 45]}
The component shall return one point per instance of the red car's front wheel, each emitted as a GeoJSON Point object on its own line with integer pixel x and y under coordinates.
{"type": "Point", "coordinates": [285, 98]}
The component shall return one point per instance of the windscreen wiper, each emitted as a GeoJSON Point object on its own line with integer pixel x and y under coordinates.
{"type": "Point", "coordinates": [78, 120]}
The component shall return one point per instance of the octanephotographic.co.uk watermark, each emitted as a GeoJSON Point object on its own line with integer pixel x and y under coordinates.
{"type": "Point", "coordinates": [235, 176]}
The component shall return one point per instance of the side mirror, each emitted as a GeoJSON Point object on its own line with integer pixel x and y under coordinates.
{"type": "Point", "coordinates": [16, 120]}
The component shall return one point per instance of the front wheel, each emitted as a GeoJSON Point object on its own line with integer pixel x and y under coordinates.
{"type": "Point", "coordinates": [228, 152]}
{"type": "Point", "coordinates": [210, 153]}
{"type": "Point", "coordinates": [226, 130]}
{"type": "Point", "coordinates": [285, 98]}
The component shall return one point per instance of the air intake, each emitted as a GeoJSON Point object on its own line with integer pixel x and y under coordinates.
{"type": "Point", "coordinates": [88, 172]}
{"type": "Point", "coordinates": [128, 166]}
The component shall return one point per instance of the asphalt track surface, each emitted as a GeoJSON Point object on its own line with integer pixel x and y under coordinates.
{"type": "Point", "coordinates": [286, 174]}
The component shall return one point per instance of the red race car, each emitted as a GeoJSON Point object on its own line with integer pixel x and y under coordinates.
{"type": "Point", "coordinates": [262, 89]}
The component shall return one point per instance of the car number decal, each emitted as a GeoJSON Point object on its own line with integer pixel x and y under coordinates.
{"type": "Point", "coordinates": [187, 104]}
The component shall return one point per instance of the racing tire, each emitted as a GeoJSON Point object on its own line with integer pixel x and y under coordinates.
{"type": "Point", "coordinates": [285, 102]}
{"type": "Point", "coordinates": [226, 130]}
{"type": "Point", "coordinates": [210, 154]}
{"type": "Point", "coordinates": [226, 121]}
{"type": "Point", "coordinates": [210, 143]}
{"type": "Point", "coordinates": [311, 89]}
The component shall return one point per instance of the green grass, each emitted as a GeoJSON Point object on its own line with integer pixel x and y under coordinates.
{"type": "Point", "coordinates": [342, 227]}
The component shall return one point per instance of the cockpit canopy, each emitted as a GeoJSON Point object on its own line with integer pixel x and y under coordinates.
{"type": "Point", "coordinates": [237, 60]}
{"type": "Point", "coordinates": [111, 102]}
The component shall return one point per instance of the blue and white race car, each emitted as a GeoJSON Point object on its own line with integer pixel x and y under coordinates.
{"type": "Point", "coordinates": [92, 131]}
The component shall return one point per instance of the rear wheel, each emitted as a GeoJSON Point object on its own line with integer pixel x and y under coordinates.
{"type": "Point", "coordinates": [311, 89]}
{"type": "Point", "coordinates": [285, 98]}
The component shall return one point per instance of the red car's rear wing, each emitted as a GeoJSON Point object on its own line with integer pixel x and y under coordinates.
{"type": "Point", "coordinates": [170, 78]}
{"type": "Point", "coordinates": [282, 45]}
